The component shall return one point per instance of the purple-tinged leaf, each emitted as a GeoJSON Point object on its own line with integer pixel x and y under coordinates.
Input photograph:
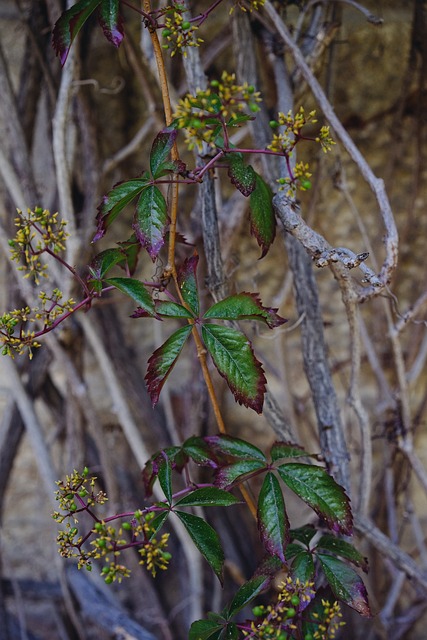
{"type": "Point", "coordinates": [187, 282]}
{"type": "Point", "coordinates": [244, 306]}
{"type": "Point", "coordinates": [198, 450]}
{"type": "Point", "coordinates": [235, 447]}
{"type": "Point", "coordinates": [320, 491]}
{"type": "Point", "coordinates": [150, 472]}
{"type": "Point", "coordinates": [135, 290]}
{"type": "Point", "coordinates": [131, 249]}
{"type": "Point", "coordinates": [207, 497]}
{"type": "Point", "coordinates": [115, 201]}
{"type": "Point", "coordinates": [302, 565]}
{"type": "Point", "coordinates": [288, 450]}
{"type": "Point", "coordinates": [160, 150]}
{"type": "Point", "coordinates": [104, 261]}
{"type": "Point", "coordinates": [170, 309]}
{"type": "Point", "coordinates": [344, 549]}
{"type": "Point", "coordinates": [247, 592]}
{"type": "Point", "coordinates": [151, 220]}
{"type": "Point", "coordinates": [235, 361]}
{"type": "Point", "coordinates": [206, 540]}
{"type": "Point", "coordinates": [241, 175]}
{"type": "Point", "coordinates": [226, 476]}
{"type": "Point", "coordinates": [69, 24]}
{"type": "Point", "coordinates": [273, 523]}
{"type": "Point", "coordinates": [162, 362]}
{"type": "Point", "coordinates": [346, 584]}
{"type": "Point", "coordinates": [263, 221]}
{"type": "Point", "coordinates": [111, 21]}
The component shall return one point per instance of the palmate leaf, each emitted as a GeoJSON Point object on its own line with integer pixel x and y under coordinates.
{"type": "Point", "coordinates": [241, 175]}
{"type": "Point", "coordinates": [263, 221]}
{"type": "Point", "coordinates": [320, 491]}
{"type": "Point", "coordinates": [273, 523]}
{"type": "Point", "coordinates": [206, 540]}
{"type": "Point", "coordinates": [169, 309]}
{"type": "Point", "coordinates": [164, 473]}
{"type": "Point", "coordinates": [244, 306]}
{"type": "Point", "coordinates": [150, 473]}
{"type": "Point", "coordinates": [163, 360]}
{"type": "Point", "coordinates": [234, 359]}
{"type": "Point", "coordinates": [111, 21]}
{"type": "Point", "coordinates": [115, 201]}
{"type": "Point", "coordinates": [151, 220]}
{"type": "Point", "coordinates": [345, 583]}
{"type": "Point", "coordinates": [160, 151]}
{"type": "Point", "coordinates": [104, 261]}
{"type": "Point", "coordinates": [187, 282]}
{"type": "Point", "coordinates": [69, 24]}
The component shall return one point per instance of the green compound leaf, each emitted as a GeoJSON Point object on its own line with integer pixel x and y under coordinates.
{"type": "Point", "coordinates": [241, 175]}
{"type": "Point", "coordinates": [111, 21]}
{"type": "Point", "coordinates": [339, 547]}
{"type": "Point", "coordinates": [247, 592]}
{"type": "Point", "coordinates": [234, 358]}
{"type": "Point", "coordinates": [273, 523]}
{"type": "Point", "coordinates": [187, 282]}
{"type": "Point", "coordinates": [228, 475]}
{"type": "Point", "coordinates": [208, 497]}
{"type": "Point", "coordinates": [115, 201]}
{"type": "Point", "coordinates": [320, 491]}
{"type": "Point", "coordinates": [169, 309]}
{"type": "Point", "coordinates": [302, 565]}
{"type": "Point", "coordinates": [135, 290]}
{"type": "Point", "coordinates": [160, 150]}
{"type": "Point", "coordinates": [162, 362]}
{"type": "Point", "coordinates": [235, 447]}
{"type": "Point", "coordinates": [244, 306]}
{"type": "Point", "coordinates": [263, 221]}
{"type": "Point", "coordinates": [69, 25]}
{"type": "Point", "coordinates": [206, 540]}
{"type": "Point", "coordinates": [346, 584]}
{"type": "Point", "coordinates": [288, 450]}
{"type": "Point", "coordinates": [151, 220]}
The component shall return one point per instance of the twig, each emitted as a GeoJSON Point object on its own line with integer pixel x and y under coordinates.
{"type": "Point", "coordinates": [376, 184]}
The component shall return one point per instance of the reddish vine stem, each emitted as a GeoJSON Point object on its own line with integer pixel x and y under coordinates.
{"type": "Point", "coordinates": [170, 270]}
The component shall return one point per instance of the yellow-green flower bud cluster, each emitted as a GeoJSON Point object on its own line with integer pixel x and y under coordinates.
{"type": "Point", "coordinates": [277, 620]}
{"type": "Point", "coordinates": [329, 621]}
{"type": "Point", "coordinates": [250, 5]}
{"type": "Point", "coordinates": [153, 551]}
{"type": "Point", "coordinates": [38, 231]}
{"type": "Point", "coordinates": [204, 114]}
{"type": "Point", "coordinates": [290, 133]}
{"type": "Point", "coordinates": [15, 340]}
{"type": "Point", "coordinates": [179, 33]}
